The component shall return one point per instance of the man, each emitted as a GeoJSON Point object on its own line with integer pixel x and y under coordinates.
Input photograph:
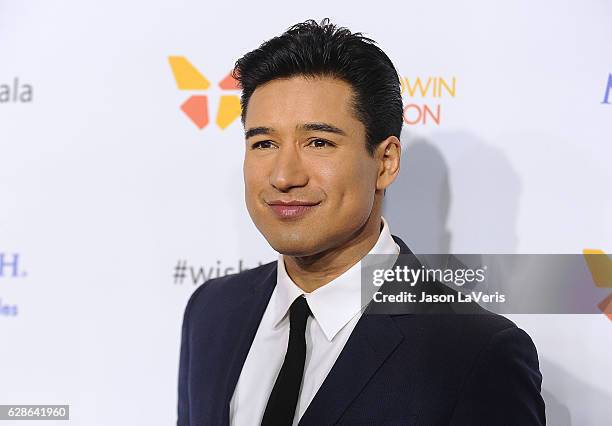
{"type": "Point", "coordinates": [289, 342]}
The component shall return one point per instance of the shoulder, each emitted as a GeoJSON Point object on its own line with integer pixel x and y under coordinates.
{"type": "Point", "coordinates": [465, 329]}
{"type": "Point", "coordinates": [470, 320]}
{"type": "Point", "coordinates": [221, 292]}
{"type": "Point", "coordinates": [502, 375]}
{"type": "Point", "coordinates": [490, 362]}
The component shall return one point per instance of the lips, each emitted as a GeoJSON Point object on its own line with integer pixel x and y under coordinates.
{"type": "Point", "coordinates": [291, 209]}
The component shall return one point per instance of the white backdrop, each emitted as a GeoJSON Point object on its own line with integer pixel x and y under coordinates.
{"type": "Point", "coordinates": [106, 185]}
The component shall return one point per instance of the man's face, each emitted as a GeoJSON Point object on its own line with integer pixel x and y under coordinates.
{"type": "Point", "coordinates": [305, 146]}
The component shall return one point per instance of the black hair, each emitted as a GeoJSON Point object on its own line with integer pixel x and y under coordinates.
{"type": "Point", "coordinates": [312, 49]}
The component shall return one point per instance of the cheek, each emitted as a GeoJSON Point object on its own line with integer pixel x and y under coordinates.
{"type": "Point", "coordinates": [352, 183]}
{"type": "Point", "coordinates": [249, 172]}
{"type": "Point", "coordinates": [251, 180]}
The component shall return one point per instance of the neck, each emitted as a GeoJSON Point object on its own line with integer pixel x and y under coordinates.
{"type": "Point", "coordinates": [312, 272]}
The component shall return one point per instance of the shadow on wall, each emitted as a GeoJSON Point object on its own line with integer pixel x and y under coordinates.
{"type": "Point", "coordinates": [417, 204]}
{"type": "Point", "coordinates": [454, 193]}
{"type": "Point", "coordinates": [564, 385]}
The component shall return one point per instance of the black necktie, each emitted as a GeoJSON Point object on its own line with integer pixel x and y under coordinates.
{"type": "Point", "coordinates": [284, 396]}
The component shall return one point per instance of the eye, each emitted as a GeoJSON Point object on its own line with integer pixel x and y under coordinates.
{"type": "Point", "coordinates": [320, 143]}
{"type": "Point", "coordinates": [261, 145]}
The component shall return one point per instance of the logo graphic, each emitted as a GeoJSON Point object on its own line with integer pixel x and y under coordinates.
{"type": "Point", "coordinates": [606, 99]}
{"type": "Point", "coordinates": [600, 266]}
{"type": "Point", "coordinates": [15, 92]}
{"type": "Point", "coordinates": [435, 87]}
{"type": "Point", "coordinates": [188, 77]}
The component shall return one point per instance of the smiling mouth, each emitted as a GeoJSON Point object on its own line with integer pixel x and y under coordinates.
{"type": "Point", "coordinates": [292, 210]}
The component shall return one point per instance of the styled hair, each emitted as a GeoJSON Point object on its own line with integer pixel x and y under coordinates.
{"type": "Point", "coordinates": [311, 49]}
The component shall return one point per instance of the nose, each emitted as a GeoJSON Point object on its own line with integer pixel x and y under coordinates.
{"type": "Point", "coordinates": [289, 170]}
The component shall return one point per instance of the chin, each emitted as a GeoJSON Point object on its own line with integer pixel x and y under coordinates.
{"type": "Point", "coordinates": [293, 245]}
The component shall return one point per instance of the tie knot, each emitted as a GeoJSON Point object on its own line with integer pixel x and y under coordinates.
{"type": "Point", "coordinates": [298, 313]}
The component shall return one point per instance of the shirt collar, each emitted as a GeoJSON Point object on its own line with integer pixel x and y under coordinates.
{"type": "Point", "coordinates": [335, 303]}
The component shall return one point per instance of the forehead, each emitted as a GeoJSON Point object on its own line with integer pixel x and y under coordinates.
{"type": "Point", "coordinates": [289, 101]}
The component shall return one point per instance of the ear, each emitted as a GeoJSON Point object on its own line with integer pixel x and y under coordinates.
{"type": "Point", "coordinates": [388, 154]}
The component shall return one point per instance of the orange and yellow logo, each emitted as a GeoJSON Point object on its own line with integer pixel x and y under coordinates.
{"type": "Point", "coordinates": [417, 109]}
{"type": "Point", "coordinates": [600, 266]}
{"type": "Point", "coordinates": [188, 77]}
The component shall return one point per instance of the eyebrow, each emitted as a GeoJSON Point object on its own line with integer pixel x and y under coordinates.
{"type": "Point", "coordinates": [312, 127]}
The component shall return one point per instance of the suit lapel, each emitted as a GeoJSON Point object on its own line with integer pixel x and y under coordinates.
{"type": "Point", "coordinates": [374, 338]}
{"type": "Point", "coordinates": [247, 313]}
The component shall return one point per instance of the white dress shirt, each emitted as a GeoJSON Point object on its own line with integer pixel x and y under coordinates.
{"type": "Point", "coordinates": [336, 307]}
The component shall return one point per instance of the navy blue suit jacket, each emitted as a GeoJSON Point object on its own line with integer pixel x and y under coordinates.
{"type": "Point", "coordinates": [395, 369]}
